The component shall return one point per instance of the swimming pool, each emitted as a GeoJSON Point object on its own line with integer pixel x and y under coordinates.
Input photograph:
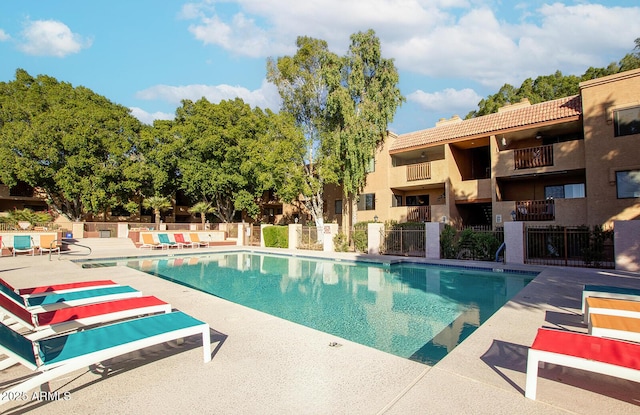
{"type": "Point", "coordinates": [420, 312]}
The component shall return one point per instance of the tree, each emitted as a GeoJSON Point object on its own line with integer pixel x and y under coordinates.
{"type": "Point", "coordinates": [230, 154]}
{"type": "Point", "coordinates": [202, 208]}
{"type": "Point", "coordinates": [159, 204]}
{"type": "Point", "coordinates": [363, 98]}
{"type": "Point", "coordinates": [71, 143]}
{"type": "Point", "coordinates": [301, 82]}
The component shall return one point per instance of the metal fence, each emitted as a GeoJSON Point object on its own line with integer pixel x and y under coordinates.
{"type": "Point", "coordinates": [308, 237]}
{"type": "Point", "coordinates": [569, 246]}
{"type": "Point", "coordinates": [254, 236]}
{"type": "Point", "coordinates": [407, 242]}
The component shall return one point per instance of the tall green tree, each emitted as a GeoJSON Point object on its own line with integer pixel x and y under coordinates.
{"type": "Point", "coordinates": [73, 144]}
{"type": "Point", "coordinates": [301, 82]}
{"type": "Point", "coordinates": [363, 99]}
{"type": "Point", "coordinates": [158, 204]}
{"type": "Point", "coordinates": [230, 154]}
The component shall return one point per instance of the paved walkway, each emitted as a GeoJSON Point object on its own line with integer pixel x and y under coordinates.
{"type": "Point", "coordinates": [265, 365]}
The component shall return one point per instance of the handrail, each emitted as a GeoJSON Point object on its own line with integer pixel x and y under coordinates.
{"type": "Point", "coordinates": [501, 248]}
{"type": "Point", "coordinates": [67, 243]}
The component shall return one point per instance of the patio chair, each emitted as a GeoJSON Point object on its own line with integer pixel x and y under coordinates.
{"type": "Point", "coordinates": [48, 243]}
{"type": "Point", "coordinates": [57, 356]}
{"type": "Point", "coordinates": [607, 291]}
{"type": "Point", "coordinates": [23, 243]}
{"type": "Point", "coordinates": [611, 307]}
{"type": "Point", "coordinates": [58, 288]}
{"type": "Point", "coordinates": [149, 242]}
{"type": "Point", "coordinates": [165, 241]}
{"type": "Point", "coordinates": [181, 241]}
{"type": "Point", "coordinates": [614, 327]}
{"type": "Point", "coordinates": [68, 319]}
{"type": "Point", "coordinates": [195, 238]}
{"type": "Point", "coordinates": [56, 301]}
{"type": "Point", "coordinates": [581, 351]}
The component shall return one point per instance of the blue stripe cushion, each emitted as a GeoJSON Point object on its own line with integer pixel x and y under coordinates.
{"type": "Point", "coordinates": [612, 289]}
{"type": "Point", "coordinates": [59, 349]}
{"type": "Point", "coordinates": [17, 343]}
{"type": "Point", "coordinates": [78, 295]}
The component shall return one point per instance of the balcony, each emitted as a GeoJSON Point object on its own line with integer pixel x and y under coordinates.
{"type": "Point", "coordinates": [543, 159]}
{"type": "Point", "coordinates": [420, 171]}
{"type": "Point", "coordinates": [535, 210]}
{"type": "Point", "coordinates": [533, 157]}
{"type": "Point", "coordinates": [418, 214]}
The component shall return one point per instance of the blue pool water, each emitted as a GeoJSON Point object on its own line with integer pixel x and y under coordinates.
{"type": "Point", "coordinates": [420, 312]}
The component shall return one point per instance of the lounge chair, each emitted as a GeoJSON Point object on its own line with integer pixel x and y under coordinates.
{"type": "Point", "coordinates": [607, 291]}
{"type": "Point", "coordinates": [58, 288]}
{"type": "Point", "coordinates": [611, 307]}
{"type": "Point", "coordinates": [149, 242]}
{"type": "Point", "coordinates": [615, 327]}
{"type": "Point", "coordinates": [48, 243]}
{"type": "Point", "coordinates": [182, 242]}
{"type": "Point", "coordinates": [61, 355]}
{"type": "Point", "coordinates": [164, 240]}
{"type": "Point", "coordinates": [56, 301]}
{"type": "Point", "coordinates": [51, 323]}
{"type": "Point", "coordinates": [195, 238]}
{"type": "Point", "coordinates": [23, 243]}
{"type": "Point", "coordinates": [581, 351]}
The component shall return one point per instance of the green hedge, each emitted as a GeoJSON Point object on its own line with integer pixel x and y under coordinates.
{"type": "Point", "coordinates": [276, 236]}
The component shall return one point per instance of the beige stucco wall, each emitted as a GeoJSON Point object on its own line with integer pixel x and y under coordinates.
{"type": "Point", "coordinates": [604, 153]}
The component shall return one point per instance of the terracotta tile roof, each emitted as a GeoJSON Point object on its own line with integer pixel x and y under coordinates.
{"type": "Point", "coordinates": [559, 109]}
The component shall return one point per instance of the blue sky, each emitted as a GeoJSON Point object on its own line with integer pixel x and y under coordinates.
{"type": "Point", "coordinates": [148, 55]}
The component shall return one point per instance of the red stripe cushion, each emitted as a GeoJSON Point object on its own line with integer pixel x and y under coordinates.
{"type": "Point", "coordinates": [59, 287]}
{"type": "Point", "coordinates": [615, 352]}
{"type": "Point", "coordinates": [16, 309]}
{"type": "Point", "coordinates": [92, 310]}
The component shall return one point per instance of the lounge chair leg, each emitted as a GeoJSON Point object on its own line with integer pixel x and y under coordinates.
{"type": "Point", "coordinates": [531, 384]}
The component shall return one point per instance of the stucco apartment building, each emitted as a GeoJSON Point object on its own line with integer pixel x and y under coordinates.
{"type": "Point", "coordinates": [571, 161]}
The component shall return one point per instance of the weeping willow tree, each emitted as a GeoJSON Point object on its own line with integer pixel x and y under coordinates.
{"type": "Point", "coordinates": [362, 101]}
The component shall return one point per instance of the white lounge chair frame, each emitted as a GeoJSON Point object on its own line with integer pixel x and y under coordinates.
{"type": "Point", "coordinates": [53, 371]}
{"type": "Point", "coordinates": [536, 356]}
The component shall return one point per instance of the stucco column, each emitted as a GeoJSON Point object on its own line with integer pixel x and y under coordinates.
{"type": "Point", "coordinates": [78, 229]}
{"type": "Point", "coordinates": [626, 245]}
{"type": "Point", "coordinates": [374, 233]}
{"type": "Point", "coordinates": [123, 230]}
{"type": "Point", "coordinates": [432, 239]}
{"type": "Point", "coordinates": [329, 231]}
{"type": "Point", "coordinates": [514, 241]}
{"type": "Point", "coordinates": [295, 234]}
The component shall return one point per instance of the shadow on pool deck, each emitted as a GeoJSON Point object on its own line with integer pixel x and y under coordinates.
{"type": "Point", "coordinates": [266, 365]}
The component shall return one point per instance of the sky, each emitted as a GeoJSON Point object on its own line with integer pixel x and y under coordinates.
{"type": "Point", "coordinates": [148, 55]}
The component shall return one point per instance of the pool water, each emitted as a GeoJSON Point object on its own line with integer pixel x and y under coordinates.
{"type": "Point", "coordinates": [420, 312]}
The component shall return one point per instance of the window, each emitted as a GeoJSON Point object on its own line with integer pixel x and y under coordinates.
{"type": "Point", "coordinates": [418, 200]}
{"type": "Point", "coordinates": [626, 121]}
{"type": "Point", "coordinates": [397, 200]}
{"type": "Point", "coordinates": [628, 184]}
{"type": "Point", "coordinates": [371, 167]}
{"type": "Point", "coordinates": [338, 207]}
{"type": "Point", "coordinates": [566, 191]}
{"type": "Point", "coordinates": [367, 201]}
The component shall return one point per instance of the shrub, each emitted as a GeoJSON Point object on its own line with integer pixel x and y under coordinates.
{"type": "Point", "coordinates": [276, 236]}
{"type": "Point", "coordinates": [340, 242]}
{"type": "Point", "coordinates": [448, 246]}
{"type": "Point", "coordinates": [361, 236]}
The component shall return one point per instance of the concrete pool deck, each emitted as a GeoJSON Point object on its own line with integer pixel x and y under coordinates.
{"type": "Point", "coordinates": [265, 365]}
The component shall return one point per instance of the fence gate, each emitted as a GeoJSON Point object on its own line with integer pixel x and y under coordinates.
{"type": "Point", "coordinates": [308, 237]}
{"type": "Point", "coordinates": [403, 241]}
{"type": "Point", "coordinates": [569, 246]}
{"type": "Point", "coordinates": [254, 237]}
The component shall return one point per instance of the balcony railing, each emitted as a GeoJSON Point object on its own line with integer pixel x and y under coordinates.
{"type": "Point", "coordinates": [420, 171]}
{"type": "Point", "coordinates": [535, 210]}
{"type": "Point", "coordinates": [418, 214]}
{"type": "Point", "coordinates": [527, 158]}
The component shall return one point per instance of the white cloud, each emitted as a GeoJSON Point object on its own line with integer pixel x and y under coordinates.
{"type": "Point", "coordinates": [446, 101]}
{"type": "Point", "coordinates": [51, 38]}
{"type": "Point", "coordinates": [4, 36]}
{"type": "Point", "coordinates": [149, 118]}
{"type": "Point", "coordinates": [264, 97]}
{"type": "Point", "coordinates": [447, 38]}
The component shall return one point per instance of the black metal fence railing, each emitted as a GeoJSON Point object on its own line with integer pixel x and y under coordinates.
{"type": "Point", "coordinates": [569, 246]}
{"type": "Point", "coordinates": [308, 237]}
